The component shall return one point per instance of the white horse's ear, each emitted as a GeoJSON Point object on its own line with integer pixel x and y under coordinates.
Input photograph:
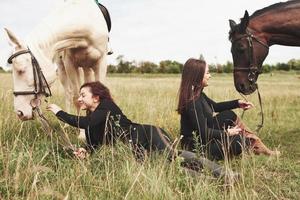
{"type": "Point", "coordinates": [14, 41]}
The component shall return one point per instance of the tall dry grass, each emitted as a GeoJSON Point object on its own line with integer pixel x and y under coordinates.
{"type": "Point", "coordinates": [34, 167]}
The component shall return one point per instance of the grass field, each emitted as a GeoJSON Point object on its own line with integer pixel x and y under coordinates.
{"type": "Point", "coordinates": [32, 166]}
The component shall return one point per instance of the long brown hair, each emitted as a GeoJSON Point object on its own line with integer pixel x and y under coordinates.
{"type": "Point", "coordinates": [191, 82]}
{"type": "Point", "coordinates": [98, 89]}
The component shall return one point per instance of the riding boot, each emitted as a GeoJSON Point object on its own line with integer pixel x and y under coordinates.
{"type": "Point", "coordinates": [256, 145]}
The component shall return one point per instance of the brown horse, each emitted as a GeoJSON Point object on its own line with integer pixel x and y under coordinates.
{"type": "Point", "coordinates": [276, 24]}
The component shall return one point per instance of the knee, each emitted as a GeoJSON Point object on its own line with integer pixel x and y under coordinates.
{"type": "Point", "coordinates": [227, 118]}
{"type": "Point", "coordinates": [234, 146]}
{"type": "Point", "coordinates": [229, 114]}
{"type": "Point", "coordinates": [238, 144]}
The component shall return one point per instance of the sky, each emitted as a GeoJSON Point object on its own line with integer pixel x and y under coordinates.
{"type": "Point", "coordinates": [153, 30]}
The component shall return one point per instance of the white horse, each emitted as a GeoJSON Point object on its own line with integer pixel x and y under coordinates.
{"type": "Point", "coordinates": [73, 36]}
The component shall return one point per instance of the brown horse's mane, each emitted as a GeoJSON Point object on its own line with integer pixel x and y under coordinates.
{"type": "Point", "coordinates": [277, 6]}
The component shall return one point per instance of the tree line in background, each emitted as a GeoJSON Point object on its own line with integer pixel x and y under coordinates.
{"type": "Point", "coordinates": [174, 67]}
{"type": "Point", "coordinates": [1, 69]}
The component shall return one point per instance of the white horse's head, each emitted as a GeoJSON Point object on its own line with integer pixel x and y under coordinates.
{"type": "Point", "coordinates": [25, 79]}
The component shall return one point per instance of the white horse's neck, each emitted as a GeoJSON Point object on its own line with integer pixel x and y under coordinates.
{"type": "Point", "coordinates": [63, 25]}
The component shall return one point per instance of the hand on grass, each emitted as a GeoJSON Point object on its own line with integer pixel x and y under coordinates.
{"type": "Point", "coordinates": [81, 153]}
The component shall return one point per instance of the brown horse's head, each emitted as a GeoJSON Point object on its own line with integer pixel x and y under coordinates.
{"type": "Point", "coordinates": [248, 53]}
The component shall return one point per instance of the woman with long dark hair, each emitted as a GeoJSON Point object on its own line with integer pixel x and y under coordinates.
{"type": "Point", "coordinates": [217, 135]}
{"type": "Point", "coordinates": [105, 123]}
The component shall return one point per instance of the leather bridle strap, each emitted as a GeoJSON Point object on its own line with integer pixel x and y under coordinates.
{"type": "Point", "coordinates": [9, 60]}
{"type": "Point", "coordinates": [42, 82]}
{"type": "Point", "coordinates": [39, 80]}
{"type": "Point", "coordinates": [259, 126]}
{"type": "Point", "coordinates": [253, 69]}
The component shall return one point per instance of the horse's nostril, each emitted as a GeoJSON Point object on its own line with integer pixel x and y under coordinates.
{"type": "Point", "coordinates": [20, 113]}
{"type": "Point", "coordinates": [242, 87]}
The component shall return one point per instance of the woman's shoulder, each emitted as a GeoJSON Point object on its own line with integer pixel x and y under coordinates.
{"type": "Point", "coordinates": [192, 104]}
{"type": "Point", "coordinates": [202, 94]}
{"type": "Point", "coordinates": [105, 104]}
{"type": "Point", "coordinates": [203, 97]}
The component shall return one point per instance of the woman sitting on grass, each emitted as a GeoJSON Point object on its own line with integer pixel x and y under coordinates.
{"type": "Point", "coordinates": [106, 122]}
{"type": "Point", "coordinates": [217, 135]}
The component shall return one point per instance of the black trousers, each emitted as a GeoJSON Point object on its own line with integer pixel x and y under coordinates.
{"type": "Point", "coordinates": [147, 138]}
{"type": "Point", "coordinates": [151, 138]}
{"type": "Point", "coordinates": [229, 145]}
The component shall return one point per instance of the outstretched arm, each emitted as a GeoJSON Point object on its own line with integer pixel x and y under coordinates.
{"type": "Point", "coordinates": [222, 106]}
{"type": "Point", "coordinates": [96, 117]}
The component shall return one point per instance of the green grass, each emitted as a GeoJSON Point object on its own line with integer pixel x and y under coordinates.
{"type": "Point", "coordinates": [33, 166]}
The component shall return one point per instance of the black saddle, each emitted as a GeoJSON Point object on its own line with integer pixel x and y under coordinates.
{"type": "Point", "coordinates": [106, 15]}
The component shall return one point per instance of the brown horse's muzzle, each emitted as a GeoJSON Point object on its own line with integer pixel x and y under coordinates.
{"type": "Point", "coordinates": [242, 84]}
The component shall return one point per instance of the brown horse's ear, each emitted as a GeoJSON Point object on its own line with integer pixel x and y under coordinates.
{"type": "Point", "coordinates": [232, 24]}
{"type": "Point", "coordinates": [244, 22]}
{"type": "Point", "coordinates": [13, 39]}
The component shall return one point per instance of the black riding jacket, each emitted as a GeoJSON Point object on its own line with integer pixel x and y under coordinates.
{"type": "Point", "coordinates": [198, 117]}
{"type": "Point", "coordinates": [98, 124]}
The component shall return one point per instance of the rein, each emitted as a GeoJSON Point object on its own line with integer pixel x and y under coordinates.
{"type": "Point", "coordinates": [259, 126]}
{"type": "Point", "coordinates": [65, 140]}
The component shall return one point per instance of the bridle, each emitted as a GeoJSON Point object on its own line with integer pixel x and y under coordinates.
{"type": "Point", "coordinates": [41, 86]}
{"type": "Point", "coordinates": [252, 69]}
